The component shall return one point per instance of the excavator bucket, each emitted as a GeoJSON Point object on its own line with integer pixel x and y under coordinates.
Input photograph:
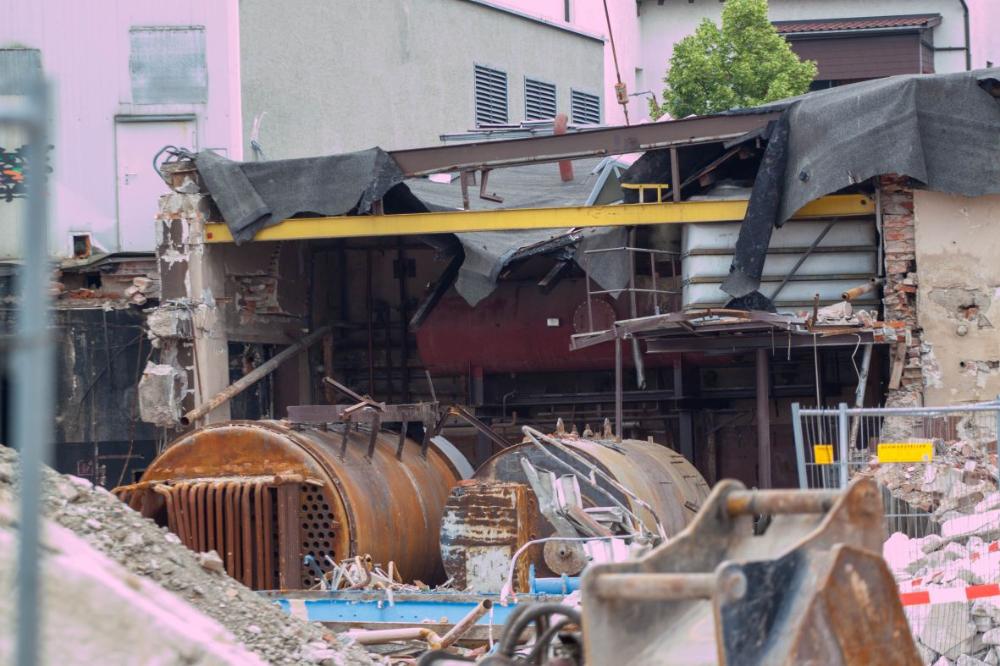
{"type": "Point", "coordinates": [812, 588]}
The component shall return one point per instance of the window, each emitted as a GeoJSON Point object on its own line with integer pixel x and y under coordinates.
{"type": "Point", "coordinates": [491, 96]}
{"type": "Point", "coordinates": [585, 109]}
{"type": "Point", "coordinates": [20, 69]}
{"type": "Point", "coordinates": [539, 100]}
{"type": "Point", "coordinates": [167, 65]}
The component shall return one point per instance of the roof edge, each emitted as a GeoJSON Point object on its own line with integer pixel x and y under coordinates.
{"type": "Point", "coordinates": [535, 19]}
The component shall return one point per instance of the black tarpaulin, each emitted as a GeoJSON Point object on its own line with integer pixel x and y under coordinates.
{"type": "Point", "coordinates": [255, 195]}
{"type": "Point", "coordinates": [942, 130]}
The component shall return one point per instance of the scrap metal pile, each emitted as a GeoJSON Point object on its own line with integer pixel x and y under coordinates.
{"type": "Point", "coordinates": [154, 555]}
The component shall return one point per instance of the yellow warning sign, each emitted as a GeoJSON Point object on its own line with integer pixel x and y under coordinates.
{"type": "Point", "coordinates": [823, 454]}
{"type": "Point", "coordinates": [905, 452]}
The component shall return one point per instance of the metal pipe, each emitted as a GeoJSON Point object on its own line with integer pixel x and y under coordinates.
{"type": "Point", "coordinates": [379, 636]}
{"type": "Point", "coordinates": [654, 586]}
{"type": "Point", "coordinates": [763, 419]}
{"type": "Point", "coordinates": [255, 375]}
{"type": "Point", "coordinates": [466, 623]}
{"type": "Point", "coordinates": [860, 290]}
{"type": "Point", "coordinates": [32, 370]}
{"type": "Point", "coordinates": [859, 392]}
{"type": "Point", "coordinates": [756, 502]}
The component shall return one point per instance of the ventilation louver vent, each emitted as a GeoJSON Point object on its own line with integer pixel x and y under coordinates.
{"type": "Point", "coordinates": [539, 100]}
{"type": "Point", "coordinates": [585, 109]}
{"type": "Point", "coordinates": [491, 96]}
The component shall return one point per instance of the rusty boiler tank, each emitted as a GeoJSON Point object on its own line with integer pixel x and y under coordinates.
{"type": "Point", "coordinates": [488, 518]}
{"type": "Point", "coordinates": [267, 494]}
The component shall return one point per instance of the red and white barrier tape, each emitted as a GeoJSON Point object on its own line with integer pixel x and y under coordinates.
{"type": "Point", "coordinates": [917, 582]}
{"type": "Point", "coordinates": [947, 595]}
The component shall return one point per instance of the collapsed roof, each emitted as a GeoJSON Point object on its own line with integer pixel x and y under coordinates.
{"type": "Point", "coordinates": [940, 130]}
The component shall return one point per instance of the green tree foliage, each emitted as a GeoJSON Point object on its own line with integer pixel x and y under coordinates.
{"type": "Point", "coordinates": [743, 63]}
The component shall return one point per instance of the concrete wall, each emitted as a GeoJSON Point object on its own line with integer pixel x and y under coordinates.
{"type": "Point", "coordinates": [345, 75]}
{"type": "Point", "coordinates": [661, 26]}
{"type": "Point", "coordinates": [589, 15]}
{"type": "Point", "coordinates": [958, 300]}
{"type": "Point", "coordinates": [85, 53]}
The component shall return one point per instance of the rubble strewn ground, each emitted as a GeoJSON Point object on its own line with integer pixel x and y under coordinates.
{"type": "Point", "coordinates": [959, 489]}
{"type": "Point", "coordinates": [148, 550]}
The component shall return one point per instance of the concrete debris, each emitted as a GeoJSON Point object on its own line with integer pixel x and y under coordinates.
{"type": "Point", "coordinates": [161, 390]}
{"type": "Point", "coordinates": [148, 551]}
{"type": "Point", "coordinates": [958, 490]}
{"type": "Point", "coordinates": [93, 603]}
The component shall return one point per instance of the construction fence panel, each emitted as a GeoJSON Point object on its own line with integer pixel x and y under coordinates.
{"type": "Point", "coordinates": [937, 471]}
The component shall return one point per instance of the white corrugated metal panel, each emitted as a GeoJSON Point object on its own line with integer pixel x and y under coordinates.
{"type": "Point", "coordinates": [794, 234]}
{"type": "Point", "coordinates": [491, 96]}
{"type": "Point", "coordinates": [798, 294]}
{"type": "Point", "coordinates": [845, 258]}
{"type": "Point", "coordinates": [707, 266]}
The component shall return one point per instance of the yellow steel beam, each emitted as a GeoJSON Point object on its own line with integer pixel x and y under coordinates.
{"type": "Point", "coordinates": [685, 212]}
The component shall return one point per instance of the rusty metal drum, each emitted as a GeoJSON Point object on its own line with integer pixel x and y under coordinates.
{"type": "Point", "coordinates": [266, 494]}
{"type": "Point", "coordinates": [661, 477]}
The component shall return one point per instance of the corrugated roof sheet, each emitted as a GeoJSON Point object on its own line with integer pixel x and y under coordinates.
{"type": "Point", "coordinates": [860, 23]}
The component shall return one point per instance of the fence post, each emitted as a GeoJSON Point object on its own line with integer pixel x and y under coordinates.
{"type": "Point", "coordinates": [842, 436]}
{"type": "Point", "coordinates": [800, 447]}
{"type": "Point", "coordinates": [997, 414]}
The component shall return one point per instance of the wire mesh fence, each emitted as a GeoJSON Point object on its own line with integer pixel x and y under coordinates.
{"type": "Point", "coordinates": [937, 471]}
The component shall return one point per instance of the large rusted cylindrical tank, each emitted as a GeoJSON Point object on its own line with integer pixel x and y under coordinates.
{"type": "Point", "coordinates": [266, 494]}
{"type": "Point", "coordinates": [496, 512]}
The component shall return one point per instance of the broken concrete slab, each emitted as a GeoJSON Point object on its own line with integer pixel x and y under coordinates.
{"type": "Point", "coordinates": [985, 525]}
{"type": "Point", "coordinates": [161, 390]}
{"type": "Point", "coordinates": [948, 630]}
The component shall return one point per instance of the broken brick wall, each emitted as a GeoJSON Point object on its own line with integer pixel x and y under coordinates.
{"type": "Point", "coordinates": [900, 291]}
{"type": "Point", "coordinates": [956, 248]}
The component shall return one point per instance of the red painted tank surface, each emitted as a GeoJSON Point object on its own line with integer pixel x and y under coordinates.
{"type": "Point", "coordinates": [517, 328]}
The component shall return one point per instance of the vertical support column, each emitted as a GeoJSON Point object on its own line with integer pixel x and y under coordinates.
{"type": "Point", "coordinates": [842, 426]}
{"type": "Point", "coordinates": [191, 272]}
{"type": "Point", "coordinates": [800, 446]}
{"type": "Point", "coordinates": [675, 175]}
{"type": "Point", "coordinates": [685, 417]}
{"type": "Point", "coordinates": [33, 369]}
{"type": "Point", "coordinates": [210, 345]}
{"type": "Point", "coordinates": [618, 387]}
{"type": "Point", "coordinates": [763, 420]}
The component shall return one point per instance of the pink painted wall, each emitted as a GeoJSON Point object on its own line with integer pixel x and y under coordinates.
{"type": "Point", "coordinates": [588, 15]}
{"type": "Point", "coordinates": [85, 50]}
{"type": "Point", "coordinates": [983, 18]}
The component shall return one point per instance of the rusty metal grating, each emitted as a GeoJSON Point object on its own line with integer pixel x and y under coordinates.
{"type": "Point", "coordinates": [316, 531]}
{"type": "Point", "coordinates": [236, 519]}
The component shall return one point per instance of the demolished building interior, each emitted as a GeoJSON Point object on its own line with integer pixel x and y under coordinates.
{"type": "Point", "coordinates": [392, 366]}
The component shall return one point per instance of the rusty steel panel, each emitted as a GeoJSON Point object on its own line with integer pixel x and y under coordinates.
{"type": "Point", "coordinates": [264, 495]}
{"type": "Point", "coordinates": [660, 476]}
{"type": "Point", "coordinates": [598, 142]}
{"type": "Point", "coordinates": [483, 526]}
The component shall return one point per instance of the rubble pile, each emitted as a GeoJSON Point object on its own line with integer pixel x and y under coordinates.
{"type": "Point", "coordinates": [959, 489]}
{"type": "Point", "coordinates": [961, 475]}
{"type": "Point", "coordinates": [146, 549]}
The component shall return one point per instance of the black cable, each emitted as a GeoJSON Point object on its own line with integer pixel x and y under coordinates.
{"type": "Point", "coordinates": [543, 641]}
{"type": "Point", "coordinates": [516, 625]}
